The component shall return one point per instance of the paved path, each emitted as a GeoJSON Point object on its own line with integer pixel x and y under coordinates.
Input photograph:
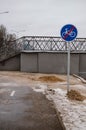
{"type": "Point", "coordinates": [23, 109]}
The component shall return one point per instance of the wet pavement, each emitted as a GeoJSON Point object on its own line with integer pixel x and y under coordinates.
{"type": "Point", "coordinates": [23, 109]}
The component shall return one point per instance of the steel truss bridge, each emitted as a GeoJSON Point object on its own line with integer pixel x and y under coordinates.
{"type": "Point", "coordinates": [41, 43]}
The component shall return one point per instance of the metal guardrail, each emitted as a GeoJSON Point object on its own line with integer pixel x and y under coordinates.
{"type": "Point", "coordinates": [45, 43]}
{"type": "Point", "coordinates": [41, 43]}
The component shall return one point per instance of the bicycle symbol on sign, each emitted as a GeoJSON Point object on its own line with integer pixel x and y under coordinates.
{"type": "Point", "coordinates": [67, 32]}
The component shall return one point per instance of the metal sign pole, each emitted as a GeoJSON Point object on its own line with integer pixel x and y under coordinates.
{"type": "Point", "coordinates": [68, 33]}
{"type": "Point", "coordinates": [68, 68]}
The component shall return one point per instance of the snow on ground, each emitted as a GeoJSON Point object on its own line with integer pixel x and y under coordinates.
{"type": "Point", "coordinates": [40, 88]}
{"type": "Point", "coordinates": [73, 113]}
{"type": "Point", "coordinates": [8, 84]}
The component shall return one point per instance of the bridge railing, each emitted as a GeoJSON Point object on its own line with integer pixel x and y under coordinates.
{"type": "Point", "coordinates": [51, 44]}
{"type": "Point", "coordinates": [41, 43]}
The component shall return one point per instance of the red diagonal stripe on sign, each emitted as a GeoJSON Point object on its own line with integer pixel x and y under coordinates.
{"type": "Point", "coordinates": [72, 28]}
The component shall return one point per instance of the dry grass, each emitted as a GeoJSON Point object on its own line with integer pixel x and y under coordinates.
{"type": "Point", "coordinates": [50, 79]}
{"type": "Point", "coordinates": [75, 95]}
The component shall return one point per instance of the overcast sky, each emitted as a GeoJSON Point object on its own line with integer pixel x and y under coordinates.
{"type": "Point", "coordinates": [43, 17]}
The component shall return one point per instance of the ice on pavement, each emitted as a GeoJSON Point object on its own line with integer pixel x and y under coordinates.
{"type": "Point", "coordinates": [40, 88]}
{"type": "Point", "coordinates": [73, 113]}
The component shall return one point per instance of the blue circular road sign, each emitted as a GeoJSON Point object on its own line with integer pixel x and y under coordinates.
{"type": "Point", "coordinates": [69, 32]}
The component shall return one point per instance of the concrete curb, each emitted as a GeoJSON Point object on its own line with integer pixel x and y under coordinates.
{"type": "Point", "coordinates": [82, 80]}
{"type": "Point", "coordinates": [57, 113]}
{"type": "Point", "coordinates": [59, 117]}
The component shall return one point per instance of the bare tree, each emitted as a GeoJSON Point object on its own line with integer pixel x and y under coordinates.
{"type": "Point", "coordinates": [11, 37]}
{"type": "Point", "coordinates": [3, 35]}
{"type": "Point", "coordinates": [7, 43]}
{"type": "Point", "coordinates": [5, 38]}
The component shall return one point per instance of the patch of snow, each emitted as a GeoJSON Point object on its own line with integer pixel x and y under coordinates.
{"type": "Point", "coordinates": [73, 113]}
{"type": "Point", "coordinates": [62, 83]}
{"type": "Point", "coordinates": [79, 86]}
{"type": "Point", "coordinates": [84, 101]}
{"type": "Point", "coordinates": [8, 84]}
{"type": "Point", "coordinates": [40, 88]}
{"type": "Point", "coordinates": [59, 91]}
{"type": "Point", "coordinates": [78, 79]}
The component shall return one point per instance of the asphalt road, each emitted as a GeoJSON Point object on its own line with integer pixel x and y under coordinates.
{"type": "Point", "coordinates": [23, 109]}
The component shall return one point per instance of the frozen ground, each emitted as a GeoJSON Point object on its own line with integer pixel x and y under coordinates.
{"type": "Point", "coordinates": [73, 113]}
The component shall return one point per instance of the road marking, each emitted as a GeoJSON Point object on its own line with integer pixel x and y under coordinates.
{"type": "Point", "coordinates": [12, 93]}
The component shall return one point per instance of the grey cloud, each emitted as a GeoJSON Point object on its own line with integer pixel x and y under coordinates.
{"type": "Point", "coordinates": [43, 16]}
